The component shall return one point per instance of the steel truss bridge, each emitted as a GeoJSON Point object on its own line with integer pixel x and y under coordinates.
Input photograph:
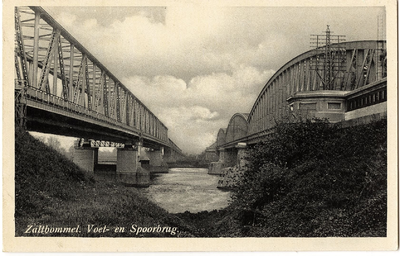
{"type": "Point", "coordinates": [345, 82]}
{"type": "Point", "coordinates": [61, 88]}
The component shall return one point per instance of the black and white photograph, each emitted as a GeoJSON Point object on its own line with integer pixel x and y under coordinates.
{"type": "Point", "coordinates": [180, 125]}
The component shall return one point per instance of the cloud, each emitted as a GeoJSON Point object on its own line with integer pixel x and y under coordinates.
{"type": "Point", "coordinates": [193, 127]}
{"type": "Point", "coordinates": [193, 40]}
{"type": "Point", "coordinates": [90, 24]}
{"type": "Point", "coordinates": [196, 65]}
{"type": "Point", "coordinates": [199, 108]}
{"type": "Point", "coordinates": [188, 40]}
{"type": "Point", "coordinates": [66, 19]}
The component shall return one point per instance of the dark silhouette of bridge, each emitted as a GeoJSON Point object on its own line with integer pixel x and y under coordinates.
{"type": "Point", "coordinates": [61, 88]}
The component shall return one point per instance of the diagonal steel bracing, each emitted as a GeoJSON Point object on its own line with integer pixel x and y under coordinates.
{"type": "Point", "coordinates": [62, 74]}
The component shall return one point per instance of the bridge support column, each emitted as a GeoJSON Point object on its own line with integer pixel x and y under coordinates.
{"type": "Point", "coordinates": [86, 158]}
{"type": "Point", "coordinates": [169, 155]}
{"type": "Point", "coordinates": [129, 170]}
{"type": "Point", "coordinates": [229, 175]}
{"type": "Point", "coordinates": [241, 155]}
{"type": "Point", "coordinates": [227, 157]}
{"type": "Point", "coordinates": [157, 164]}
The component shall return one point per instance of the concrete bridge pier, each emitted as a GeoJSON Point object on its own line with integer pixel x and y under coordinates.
{"type": "Point", "coordinates": [169, 156]}
{"type": "Point", "coordinates": [227, 158]}
{"type": "Point", "coordinates": [230, 157]}
{"type": "Point", "coordinates": [229, 175]}
{"type": "Point", "coordinates": [86, 158]}
{"type": "Point", "coordinates": [129, 169]}
{"type": "Point", "coordinates": [157, 163]}
{"type": "Point", "coordinates": [241, 155]}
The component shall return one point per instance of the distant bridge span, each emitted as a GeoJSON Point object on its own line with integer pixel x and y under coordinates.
{"type": "Point", "coordinates": [344, 83]}
{"type": "Point", "coordinates": [61, 88]}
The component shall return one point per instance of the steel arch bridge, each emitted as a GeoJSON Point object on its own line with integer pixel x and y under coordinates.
{"type": "Point", "coordinates": [61, 88]}
{"type": "Point", "coordinates": [354, 89]}
{"type": "Point", "coordinates": [359, 64]}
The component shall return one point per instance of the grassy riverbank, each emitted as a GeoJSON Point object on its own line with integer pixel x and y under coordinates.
{"type": "Point", "coordinates": [310, 180]}
{"type": "Point", "coordinates": [51, 190]}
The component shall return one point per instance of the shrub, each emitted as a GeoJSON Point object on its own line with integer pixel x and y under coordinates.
{"type": "Point", "coordinates": [313, 178]}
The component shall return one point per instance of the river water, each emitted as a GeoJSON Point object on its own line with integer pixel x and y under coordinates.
{"type": "Point", "coordinates": [187, 189]}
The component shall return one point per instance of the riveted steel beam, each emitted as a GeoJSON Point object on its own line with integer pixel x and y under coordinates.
{"type": "Point", "coordinates": [85, 81]}
{"type": "Point", "coordinates": [21, 48]}
{"type": "Point", "coordinates": [43, 83]}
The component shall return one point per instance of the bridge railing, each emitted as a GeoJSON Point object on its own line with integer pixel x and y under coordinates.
{"type": "Point", "coordinates": [39, 96]}
{"type": "Point", "coordinates": [55, 69]}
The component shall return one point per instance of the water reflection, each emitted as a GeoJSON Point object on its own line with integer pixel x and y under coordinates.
{"type": "Point", "coordinates": [187, 189]}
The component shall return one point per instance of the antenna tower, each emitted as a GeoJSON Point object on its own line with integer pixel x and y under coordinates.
{"type": "Point", "coordinates": [330, 59]}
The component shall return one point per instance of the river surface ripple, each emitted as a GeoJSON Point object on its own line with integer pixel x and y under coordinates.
{"type": "Point", "coordinates": [187, 189]}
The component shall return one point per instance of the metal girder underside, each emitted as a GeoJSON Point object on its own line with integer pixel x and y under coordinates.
{"type": "Point", "coordinates": [40, 120]}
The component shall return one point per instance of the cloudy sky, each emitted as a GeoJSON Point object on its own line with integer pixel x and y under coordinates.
{"type": "Point", "coordinates": [195, 66]}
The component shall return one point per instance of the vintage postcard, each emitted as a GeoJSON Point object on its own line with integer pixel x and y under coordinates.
{"type": "Point", "coordinates": [200, 126]}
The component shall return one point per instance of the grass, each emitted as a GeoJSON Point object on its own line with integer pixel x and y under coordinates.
{"type": "Point", "coordinates": [310, 180]}
{"type": "Point", "coordinates": [51, 190]}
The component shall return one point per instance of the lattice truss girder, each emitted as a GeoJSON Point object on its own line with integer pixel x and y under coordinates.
{"type": "Point", "coordinates": [349, 69]}
{"type": "Point", "coordinates": [330, 58]}
{"type": "Point", "coordinates": [365, 63]}
{"type": "Point", "coordinates": [337, 70]}
{"type": "Point", "coordinates": [49, 62]}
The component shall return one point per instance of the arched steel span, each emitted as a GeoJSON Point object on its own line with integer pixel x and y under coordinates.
{"type": "Point", "coordinates": [359, 63]}
{"type": "Point", "coordinates": [221, 137]}
{"type": "Point", "coordinates": [237, 128]}
{"type": "Point", "coordinates": [61, 88]}
{"type": "Point", "coordinates": [359, 81]}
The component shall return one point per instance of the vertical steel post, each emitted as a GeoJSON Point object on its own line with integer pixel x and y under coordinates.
{"type": "Point", "coordinates": [116, 108]}
{"type": "Point", "coordinates": [36, 49]}
{"type": "Point", "coordinates": [105, 93]}
{"type": "Point", "coordinates": [135, 113]}
{"type": "Point", "coordinates": [94, 91]}
{"type": "Point", "coordinates": [71, 73]}
{"type": "Point", "coordinates": [55, 68]}
{"type": "Point", "coordinates": [117, 102]}
{"type": "Point", "coordinates": [62, 70]}
{"type": "Point", "coordinates": [87, 83]}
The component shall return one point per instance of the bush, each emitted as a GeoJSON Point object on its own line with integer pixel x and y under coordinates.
{"type": "Point", "coordinates": [258, 188]}
{"type": "Point", "coordinates": [307, 176]}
